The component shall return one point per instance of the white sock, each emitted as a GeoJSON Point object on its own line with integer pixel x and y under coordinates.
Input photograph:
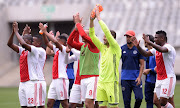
{"type": "Point", "coordinates": [168, 105]}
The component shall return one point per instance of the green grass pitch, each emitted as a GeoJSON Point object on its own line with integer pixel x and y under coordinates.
{"type": "Point", "coordinates": [9, 98]}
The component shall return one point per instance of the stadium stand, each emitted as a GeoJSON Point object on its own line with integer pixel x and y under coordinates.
{"type": "Point", "coordinates": [142, 16]}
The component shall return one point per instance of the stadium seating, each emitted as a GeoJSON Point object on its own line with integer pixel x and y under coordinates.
{"type": "Point", "coordinates": [142, 16]}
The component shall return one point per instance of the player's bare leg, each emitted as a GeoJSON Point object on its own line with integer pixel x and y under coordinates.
{"type": "Point", "coordinates": [96, 105]}
{"type": "Point", "coordinates": [164, 103]}
{"type": "Point", "coordinates": [80, 105]}
{"type": "Point", "coordinates": [171, 100]}
{"type": "Point", "coordinates": [72, 105]}
{"type": "Point", "coordinates": [50, 103]}
{"type": "Point", "coordinates": [103, 107]}
{"type": "Point", "coordinates": [41, 106]}
{"type": "Point", "coordinates": [156, 101]}
{"type": "Point", "coordinates": [64, 103]}
{"type": "Point", "coordinates": [89, 103]}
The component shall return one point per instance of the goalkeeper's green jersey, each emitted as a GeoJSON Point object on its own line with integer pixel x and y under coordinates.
{"type": "Point", "coordinates": [110, 56]}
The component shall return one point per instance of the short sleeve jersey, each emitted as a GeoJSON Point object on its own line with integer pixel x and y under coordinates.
{"type": "Point", "coordinates": [165, 62]}
{"type": "Point", "coordinates": [41, 63]}
{"type": "Point", "coordinates": [59, 67]}
{"type": "Point", "coordinates": [28, 64]}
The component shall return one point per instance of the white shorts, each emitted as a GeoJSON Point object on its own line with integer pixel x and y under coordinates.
{"type": "Point", "coordinates": [75, 95]}
{"type": "Point", "coordinates": [41, 91]}
{"type": "Point", "coordinates": [165, 88]}
{"type": "Point", "coordinates": [28, 93]}
{"type": "Point", "coordinates": [58, 89]}
{"type": "Point", "coordinates": [88, 88]}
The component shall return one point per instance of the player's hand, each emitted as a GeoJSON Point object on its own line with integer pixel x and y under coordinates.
{"type": "Point", "coordinates": [138, 80]}
{"type": "Point", "coordinates": [146, 71]}
{"type": "Point", "coordinates": [41, 27]}
{"type": "Point", "coordinates": [92, 19]}
{"type": "Point", "coordinates": [51, 32]}
{"type": "Point", "coordinates": [135, 41]}
{"type": "Point", "coordinates": [155, 69]}
{"type": "Point", "coordinates": [68, 49]}
{"type": "Point", "coordinates": [146, 39]}
{"type": "Point", "coordinates": [26, 30]}
{"type": "Point", "coordinates": [97, 13]}
{"type": "Point", "coordinates": [57, 34]}
{"type": "Point", "coordinates": [77, 18]}
{"type": "Point", "coordinates": [15, 27]}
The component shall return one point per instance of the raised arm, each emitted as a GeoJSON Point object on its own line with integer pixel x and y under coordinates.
{"type": "Point", "coordinates": [47, 43]}
{"type": "Point", "coordinates": [26, 30]}
{"type": "Point", "coordinates": [20, 39]}
{"type": "Point", "coordinates": [71, 40]}
{"type": "Point", "coordinates": [143, 52]}
{"type": "Point", "coordinates": [76, 37]}
{"type": "Point", "coordinates": [48, 50]}
{"type": "Point", "coordinates": [157, 47]}
{"type": "Point", "coordinates": [76, 53]}
{"type": "Point", "coordinates": [50, 36]}
{"type": "Point", "coordinates": [11, 44]}
{"type": "Point", "coordinates": [83, 34]}
{"type": "Point", "coordinates": [69, 59]}
{"type": "Point", "coordinates": [92, 35]}
{"type": "Point", "coordinates": [110, 38]}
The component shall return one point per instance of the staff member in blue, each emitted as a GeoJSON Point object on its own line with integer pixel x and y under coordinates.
{"type": "Point", "coordinates": [150, 75]}
{"type": "Point", "coordinates": [132, 69]}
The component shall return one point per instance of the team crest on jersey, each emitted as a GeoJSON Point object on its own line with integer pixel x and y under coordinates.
{"type": "Point", "coordinates": [124, 51]}
{"type": "Point", "coordinates": [134, 52]}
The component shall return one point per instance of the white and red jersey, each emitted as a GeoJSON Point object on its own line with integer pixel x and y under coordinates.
{"type": "Point", "coordinates": [28, 64]}
{"type": "Point", "coordinates": [59, 67]}
{"type": "Point", "coordinates": [41, 63]}
{"type": "Point", "coordinates": [165, 62]}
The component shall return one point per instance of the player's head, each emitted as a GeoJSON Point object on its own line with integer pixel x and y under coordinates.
{"type": "Point", "coordinates": [128, 35]}
{"type": "Point", "coordinates": [160, 37]}
{"type": "Point", "coordinates": [62, 38]}
{"type": "Point", "coordinates": [37, 40]}
{"type": "Point", "coordinates": [113, 33]}
{"type": "Point", "coordinates": [151, 38]}
{"type": "Point", "coordinates": [28, 38]}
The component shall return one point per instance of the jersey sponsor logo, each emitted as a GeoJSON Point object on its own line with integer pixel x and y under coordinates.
{"type": "Point", "coordinates": [134, 52]}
